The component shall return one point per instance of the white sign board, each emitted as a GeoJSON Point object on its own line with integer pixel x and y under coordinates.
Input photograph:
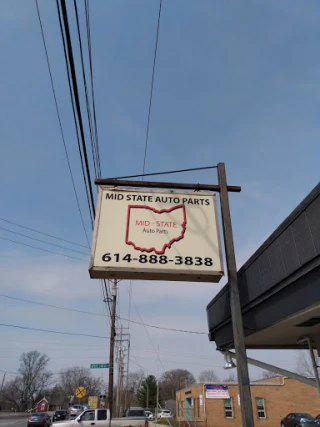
{"type": "Point", "coordinates": [217, 391]}
{"type": "Point", "coordinates": [156, 235]}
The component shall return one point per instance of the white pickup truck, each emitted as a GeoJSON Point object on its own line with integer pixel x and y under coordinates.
{"type": "Point", "coordinates": [101, 418]}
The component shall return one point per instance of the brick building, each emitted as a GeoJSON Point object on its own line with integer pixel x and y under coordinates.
{"type": "Point", "coordinates": [272, 400]}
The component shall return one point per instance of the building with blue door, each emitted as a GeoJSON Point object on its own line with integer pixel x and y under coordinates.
{"type": "Point", "coordinates": [218, 405]}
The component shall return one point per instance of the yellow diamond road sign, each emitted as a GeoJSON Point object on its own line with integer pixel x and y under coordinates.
{"type": "Point", "coordinates": [80, 392]}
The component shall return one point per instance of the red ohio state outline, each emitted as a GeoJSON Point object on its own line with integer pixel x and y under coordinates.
{"type": "Point", "coordinates": [166, 245]}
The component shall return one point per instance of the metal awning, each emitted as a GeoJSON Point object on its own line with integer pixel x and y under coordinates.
{"type": "Point", "coordinates": [279, 286]}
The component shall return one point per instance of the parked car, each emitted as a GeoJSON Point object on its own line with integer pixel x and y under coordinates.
{"type": "Point", "coordinates": [61, 414]}
{"type": "Point", "coordinates": [85, 406]}
{"type": "Point", "coordinates": [317, 418]}
{"type": "Point", "coordinates": [135, 411]}
{"type": "Point", "coordinates": [39, 419]}
{"type": "Point", "coordinates": [75, 410]}
{"type": "Point", "coordinates": [149, 415]}
{"type": "Point", "coordinates": [298, 419]}
{"type": "Point", "coordinates": [164, 413]}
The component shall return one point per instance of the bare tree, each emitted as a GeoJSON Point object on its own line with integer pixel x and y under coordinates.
{"type": "Point", "coordinates": [208, 376]}
{"type": "Point", "coordinates": [28, 387]}
{"type": "Point", "coordinates": [13, 394]}
{"type": "Point", "coordinates": [232, 378]}
{"type": "Point", "coordinates": [74, 377]}
{"type": "Point", "coordinates": [303, 363]}
{"type": "Point", "coordinates": [267, 374]}
{"type": "Point", "coordinates": [174, 380]}
{"type": "Point", "coordinates": [135, 380]}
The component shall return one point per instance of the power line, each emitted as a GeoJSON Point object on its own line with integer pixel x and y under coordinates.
{"type": "Point", "coordinates": [43, 241]}
{"type": "Point", "coordinates": [75, 100]}
{"type": "Point", "coordinates": [106, 295]}
{"type": "Point", "coordinates": [60, 124]}
{"type": "Point", "coordinates": [42, 249]}
{"type": "Point", "coordinates": [136, 308]}
{"type": "Point", "coordinates": [163, 328]}
{"type": "Point", "coordinates": [151, 88]}
{"type": "Point", "coordinates": [166, 172]}
{"type": "Point", "coordinates": [142, 367]}
{"type": "Point", "coordinates": [93, 146]}
{"type": "Point", "coordinates": [87, 11]}
{"type": "Point", "coordinates": [70, 59]}
{"type": "Point", "coordinates": [102, 347]}
{"type": "Point", "coordinates": [42, 232]}
{"type": "Point", "coordinates": [92, 123]}
{"type": "Point", "coordinates": [52, 331]}
{"type": "Point", "coordinates": [100, 314]}
{"type": "Point", "coordinates": [88, 190]}
{"type": "Point", "coordinates": [51, 305]}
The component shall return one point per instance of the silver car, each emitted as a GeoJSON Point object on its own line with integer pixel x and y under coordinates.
{"type": "Point", "coordinates": [75, 410]}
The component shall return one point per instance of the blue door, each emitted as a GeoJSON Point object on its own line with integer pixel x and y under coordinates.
{"type": "Point", "coordinates": [188, 409]}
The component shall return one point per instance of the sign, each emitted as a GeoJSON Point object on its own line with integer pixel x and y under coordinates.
{"type": "Point", "coordinates": [156, 235]}
{"type": "Point", "coordinates": [99, 365]}
{"type": "Point", "coordinates": [217, 391]}
{"type": "Point", "coordinates": [80, 392]}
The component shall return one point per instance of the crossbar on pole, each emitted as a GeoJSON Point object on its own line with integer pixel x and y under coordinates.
{"type": "Point", "coordinates": [168, 185]}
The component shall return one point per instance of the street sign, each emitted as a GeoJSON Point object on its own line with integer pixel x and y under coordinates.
{"type": "Point", "coordinates": [80, 392]}
{"type": "Point", "coordinates": [99, 365]}
{"type": "Point", "coordinates": [156, 235]}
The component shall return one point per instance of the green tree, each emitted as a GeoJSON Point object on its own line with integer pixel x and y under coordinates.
{"type": "Point", "coordinates": [147, 394]}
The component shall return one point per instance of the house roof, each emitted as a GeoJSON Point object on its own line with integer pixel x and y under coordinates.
{"type": "Point", "coordinates": [43, 399]}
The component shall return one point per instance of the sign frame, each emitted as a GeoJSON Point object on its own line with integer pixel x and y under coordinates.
{"type": "Point", "coordinates": [136, 273]}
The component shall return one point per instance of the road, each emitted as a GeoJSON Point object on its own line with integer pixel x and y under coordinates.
{"type": "Point", "coordinates": [21, 422]}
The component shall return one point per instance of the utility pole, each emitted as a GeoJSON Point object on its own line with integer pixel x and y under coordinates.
{"type": "Point", "coordinates": [235, 304]}
{"type": "Point", "coordinates": [112, 340]}
{"type": "Point", "coordinates": [120, 373]}
{"type": "Point", "coordinates": [157, 399]}
{"type": "Point", "coordinates": [2, 384]}
{"type": "Point", "coordinates": [127, 374]}
{"type": "Point", "coordinates": [147, 402]}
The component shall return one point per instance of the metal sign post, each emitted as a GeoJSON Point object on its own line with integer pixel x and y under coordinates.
{"type": "Point", "coordinates": [112, 339]}
{"type": "Point", "coordinates": [236, 314]}
{"type": "Point", "coordinates": [115, 261]}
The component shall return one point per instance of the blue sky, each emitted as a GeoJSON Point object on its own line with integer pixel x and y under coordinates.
{"type": "Point", "coordinates": [234, 82]}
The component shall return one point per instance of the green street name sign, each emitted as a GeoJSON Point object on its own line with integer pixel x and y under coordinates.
{"type": "Point", "coordinates": [99, 365]}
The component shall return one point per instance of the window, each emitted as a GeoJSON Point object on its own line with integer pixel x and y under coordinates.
{"type": "Point", "coordinates": [88, 416]}
{"type": "Point", "coordinates": [102, 415]}
{"type": "Point", "coordinates": [228, 408]}
{"type": "Point", "coordinates": [261, 409]}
